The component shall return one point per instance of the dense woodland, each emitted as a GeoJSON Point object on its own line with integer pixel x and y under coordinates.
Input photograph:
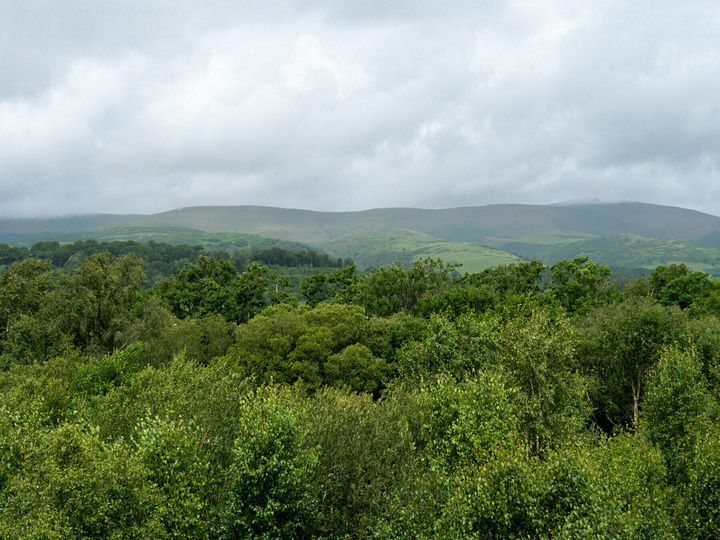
{"type": "Point", "coordinates": [224, 401]}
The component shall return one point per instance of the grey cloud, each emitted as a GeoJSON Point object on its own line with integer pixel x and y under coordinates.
{"type": "Point", "coordinates": [143, 107]}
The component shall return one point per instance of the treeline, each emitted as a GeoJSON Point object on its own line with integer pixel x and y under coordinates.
{"type": "Point", "coordinates": [162, 259]}
{"type": "Point", "coordinates": [405, 402]}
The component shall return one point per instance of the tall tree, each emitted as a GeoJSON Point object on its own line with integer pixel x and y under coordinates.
{"type": "Point", "coordinates": [620, 344]}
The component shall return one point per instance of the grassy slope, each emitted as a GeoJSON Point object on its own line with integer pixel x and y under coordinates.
{"type": "Point", "coordinates": [392, 245]}
{"type": "Point", "coordinates": [173, 234]}
{"type": "Point", "coordinates": [529, 231]}
{"type": "Point", "coordinates": [498, 223]}
{"type": "Point", "coordinates": [455, 225]}
{"type": "Point", "coordinates": [631, 250]}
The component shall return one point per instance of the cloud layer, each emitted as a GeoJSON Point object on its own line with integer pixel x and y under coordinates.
{"type": "Point", "coordinates": [142, 107]}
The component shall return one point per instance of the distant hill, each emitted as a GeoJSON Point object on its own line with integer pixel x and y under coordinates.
{"type": "Point", "coordinates": [174, 234]}
{"type": "Point", "coordinates": [16, 230]}
{"type": "Point", "coordinates": [624, 234]}
{"type": "Point", "coordinates": [632, 250]}
{"type": "Point", "coordinates": [395, 245]}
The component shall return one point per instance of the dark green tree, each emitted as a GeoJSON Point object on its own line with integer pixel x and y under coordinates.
{"type": "Point", "coordinates": [98, 302]}
{"type": "Point", "coordinates": [619, 347]}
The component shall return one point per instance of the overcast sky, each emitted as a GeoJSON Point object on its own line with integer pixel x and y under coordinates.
{"type": "Point", "coordinates": [142, 106]}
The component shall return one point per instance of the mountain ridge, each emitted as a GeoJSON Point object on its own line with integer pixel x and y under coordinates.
{"type": "Point", "coordinates": [519, 230]}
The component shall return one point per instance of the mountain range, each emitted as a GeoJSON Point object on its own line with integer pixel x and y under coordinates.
{"type": "Point", "coordinates": [623, 235]}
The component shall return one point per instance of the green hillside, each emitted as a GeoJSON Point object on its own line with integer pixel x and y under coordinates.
{"type": "Point", "coordinates": [386, 247]}
{"type": "Point", "coordinates": [623, 234]}
{"type": "Point", "coordinates": [174, 234]}
{"type": "Point", "coordinates": [627, 250]}
{"type": "Point", "coordinates": [495, 223]}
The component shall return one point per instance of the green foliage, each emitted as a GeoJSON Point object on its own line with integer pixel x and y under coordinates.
{"type": "Point", "coordinates": [201, 289]}
{"type": "Point", "coordinates": [701, 514]}
{"type": "Point", "coordinates": [215, 287]}
{"type": "Point", "coordinates": [676, 396]}
{"type": "Point", "coordinates": [396, 288]}
{"type": "Point", "coordinates": [27, 337]}
{"type": "Point", "coordinates": [73, 486]}
{"type": "Point", "coordinates": [272, 496]}
{"type": "Point", "coordinates": [89, 311]}
{"type": "Point", "coordinates": [367, 463]}
{"type": "Point", "coordinates": [357, 368]}
{"type": "Point", "coordinates": [581, 284]}
{"type": "Point", "coordinates": [209, 396]}
{"type": "Point", "coordinates": [523, 278]}
{"type": "Point", "coordinates": [453, 347]}
{"type": "Point", "coordinates": [685, 291]}
{"type": "Point", "coordinates": [100, 296]}
{"type": "Point", "coordinates": [663, 275]}
{"type": "Point", "coordinates": [320, 287]}
{"type": "Point", "coordinates": [385, 336]}
{"type": "Point", "coordinates": [458, 300]}
{"type": "Point", "coordinates": [100, 375]}
{"type": "Point", "coordinates": [318, 346]}
{"type": "Point", "coordinates": [119, 419]}
{"type": "Point", "coordinates": [23, 288]}
{"type": "Point", "coordinates": [675, 285]}
{"type": "Point", "coordinates": [165, 336]}
{"type": "Point", "coordinates": [249, 289]}
{"type": "Point", "coordinates": [538, 358]}
{"type": "Point", "coordinates": [460, 423]}
{"type": "Point", "coordinates": [171, 453]}
{"type": "Point", "coordinates": [34, 339]}
{"type": "Point", "coordinates": [18, 428]}
{"type": "Point", "coordinates": [611, 491]}
{"type": "Point", "coordinates": [619, 346]}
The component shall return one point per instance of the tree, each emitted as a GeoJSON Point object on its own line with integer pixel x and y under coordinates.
{"type": "Point", "coordinates": [686, 291]}
{"type": "Point", "coordinates": [581, 284]}
{"type": "Point", "coordinates": [356, 368]}
{"type": "Point", "coordinates": [395, 288]}
{"type": "Point", "coordinates": [73, 485]}
{"type": "Point", "coordinates": [662, 275]}
{"type": "Point", "coordinates": [519, 278]}
{"type": "Point", "coordinates": [455, 348]}
{"type": "Point", "coordinates": [320, 287]}
{"type": "Point", "coordinates": [321, 346]}
{"type": "Point", "coordinates": [619, 346]}
{"type": "Point", "coordinates": [701, 518]}
{"type": "Point", "coordinates": [538, 359]}
{"type": "Point", "coordinates": [272, 495]}
{"type": "Point", "coordinates": [201, 289]}
{"type": "Point", "coordinates": [676, 396]}
{"type": "Point", "coordinates": [23, 290]}
{"type": "Point", "coordinates": [97, 304]}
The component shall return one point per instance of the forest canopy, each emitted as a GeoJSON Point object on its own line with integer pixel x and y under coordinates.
{"type": "Point", "coordinates": [225, 401]}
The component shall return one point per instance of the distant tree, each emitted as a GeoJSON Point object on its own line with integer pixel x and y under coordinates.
{"type": "Point", "coordinates": [538, 358]}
